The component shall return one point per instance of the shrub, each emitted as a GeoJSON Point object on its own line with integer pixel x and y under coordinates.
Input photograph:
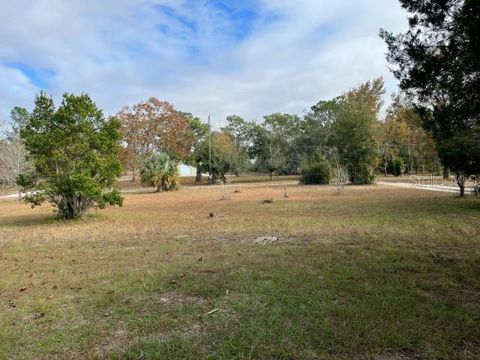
{"type": "Point", "coordinates": [161, 172]}
{"type": "Point", "coordinates": [396, 166]}
{"type": "Point", "coordinates": [316, 171]}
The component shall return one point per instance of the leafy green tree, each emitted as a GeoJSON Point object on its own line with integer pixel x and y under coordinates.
{"type": "Point", "coordinates": [437, 61]}
{"type": "Point", "coordinates": [239, 130]}
{"type": "Point", "coordinates": [390, 136]}
{"type": "Point", "coordinates": [413, 143]}
{"type": "Point", "coordinates": [273, 144]}
{"type": "Point", "coordinates": [224, 158]}
{"type": "Point", "coordinates": [266, 153]}
{"type": "Point", "coordinates": [401, 135]}
{"type": "Point", "coordinates": [352, 131]}
{"type": "Point", "coordinates": [315, 129]}
{"type": "Point", "coordinates": [283, 130]}
{"type": "Point", "coordinates": [199, 132]}
{"type": "Point", "coordinates": [161, 172]}
{"type": "Point", "coordinates": [75, 156]}
{"type": "Point", "coordinates": [19, 117]}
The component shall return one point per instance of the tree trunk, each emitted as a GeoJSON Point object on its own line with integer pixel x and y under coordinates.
{"type": "Point", "coordinates": [159, 188]}
{"type": "Point", "coordinates": [385, 167]}
{"type": "Point", "coordinates": [446, 173]}
{"type": "Point", "coordinates": [461, 184]}
{"type": "Point", "coordinates": [19, 195]}
{"type": "Point", "coordinates": [134, 177]}
{"type": "Point", "coordinates": [198, 176]}
{"type": "Point", "coordinates": [271, 175]}
{"type": "Point", "coordinates": [68, 212]}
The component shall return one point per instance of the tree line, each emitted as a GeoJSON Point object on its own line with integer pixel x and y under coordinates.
{"type": "Point", "coordinates": [348, 129]}
{"type": "Point", "coordinates": [71, 155]}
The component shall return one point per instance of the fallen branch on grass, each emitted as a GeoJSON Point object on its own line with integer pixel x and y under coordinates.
{"type": "Point", "coordinates": [266, 240]}
{"type": "Point", "coordinates": [211, 312]}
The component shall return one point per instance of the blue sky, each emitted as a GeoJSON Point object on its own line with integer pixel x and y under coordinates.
{"type": "Point", "coordinates": [218, 57]}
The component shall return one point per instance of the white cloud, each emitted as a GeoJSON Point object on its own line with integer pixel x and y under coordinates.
{"type": "Point", "coordinates": [114, 50]}
{"type": "Point", "coordinates": [15, 90]}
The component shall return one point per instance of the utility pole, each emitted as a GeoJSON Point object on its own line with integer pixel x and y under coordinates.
{"type": "Point", "coordinates": [209, 152]}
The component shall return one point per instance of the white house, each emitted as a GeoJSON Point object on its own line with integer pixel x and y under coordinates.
{"type": "Point", "coordinates": [186, 170]}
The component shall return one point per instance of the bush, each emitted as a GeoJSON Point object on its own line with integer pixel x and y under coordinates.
{"type": "Point", "coordinates": [396, 167]}
{"type": "Point", "coordinates": [316, 172]}
{"type": "Point", "coordinates": [361, 174]}
{"type": "Point", "coordinates": [161, 172]}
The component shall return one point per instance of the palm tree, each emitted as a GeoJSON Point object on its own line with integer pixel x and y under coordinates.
{"type": "Point", "coordinates": [161, 172]}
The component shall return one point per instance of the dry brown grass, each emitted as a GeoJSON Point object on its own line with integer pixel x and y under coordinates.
{"type": "Point", "coordinates": [186, 214]}
{"type": "Point", "coordinates": [126, 184]}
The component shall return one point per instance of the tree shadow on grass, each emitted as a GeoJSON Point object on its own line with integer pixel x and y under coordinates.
{"type": "Point", "coordinates": [28, 220]}
{"type": "Point", "coordinates": [41, 220]}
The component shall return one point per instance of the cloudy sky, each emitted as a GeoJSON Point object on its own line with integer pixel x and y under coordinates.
{"type": "Point", "coordinates": [218, 57]}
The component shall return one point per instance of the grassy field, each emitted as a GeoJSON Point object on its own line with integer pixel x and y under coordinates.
{"type": "Point", "coordinates": [377, 273]}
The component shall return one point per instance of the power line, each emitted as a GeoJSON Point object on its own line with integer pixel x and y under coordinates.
{"type": "Point", "coordinates": [209, 152]}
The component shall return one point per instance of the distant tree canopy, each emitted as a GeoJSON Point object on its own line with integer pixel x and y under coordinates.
{"type": "Point", "coordinates": [401, 136]}
{"type": "Point", "coordinates": [151, 127]}
{"type": "Point", "coordinates": [347, 130]}
{"type": "Point", "coordinates": [199, 131]}
{"type": "Point", "coordinates": [345, 126]}
{"type": "Point", "coordinates": [437, 62]}
{"type": "Point", "coordinates": [224, 157]}
{"type": "Point", "coordinates": [75, 151]}
{"type": "Point", "coordinates": [352, 131]}
{"type": "Point", "coordinates": [239, 132]}
{"type": "Point", "coordinates": [13, 160]}
{"type": "Point", "coordinates": [13, 154]}
{"type": "Point", "coordinates": [268, 146]}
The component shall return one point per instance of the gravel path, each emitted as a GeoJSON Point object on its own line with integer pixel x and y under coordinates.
{"type": "Point", "coordinates": [441, 188]}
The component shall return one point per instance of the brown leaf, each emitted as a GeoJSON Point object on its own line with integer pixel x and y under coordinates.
{"type": "Point", "coordinates": [23, 289]}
